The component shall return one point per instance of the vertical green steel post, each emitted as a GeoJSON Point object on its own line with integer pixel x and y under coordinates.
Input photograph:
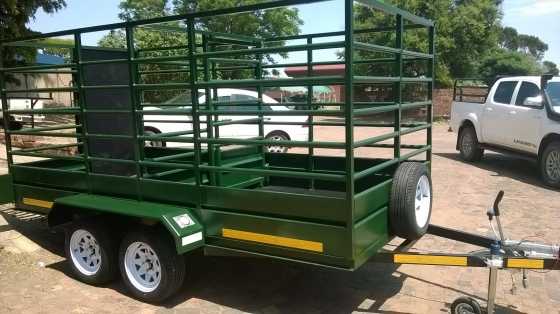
{"type": "Point", "coordinates": [79, 79]}
{"type": "Point", "coordinates": [349, 116]}
{"type": "Point", "coordinates": [397, 92]}
{"type": "Point", "coordinates": [259, 76]}
{"type": "Point", "coordinates": [194, 98]}
{"type": "Point", "coordinates": [431, 74]}
{"type": "Point", "coordinates": [310, 135]}
{"type": "Point", "coordinates": [209, 106]}
{"type": "Point", "coordinates": [218, 148]}
{"type": "Point", "coordinates": [133, 79]}
{"type": "Point", "coordinates": [5, 115]}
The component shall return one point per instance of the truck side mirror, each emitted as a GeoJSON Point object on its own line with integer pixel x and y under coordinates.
{"type": "Point", "coordinates": [533, 102]}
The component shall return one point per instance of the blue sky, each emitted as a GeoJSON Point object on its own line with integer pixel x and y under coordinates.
{"type": "Point", "coordinates": [534, 17]}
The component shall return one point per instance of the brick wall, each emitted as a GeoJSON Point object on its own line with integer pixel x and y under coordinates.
{"type": "Point", "coordinates": [442, 102]}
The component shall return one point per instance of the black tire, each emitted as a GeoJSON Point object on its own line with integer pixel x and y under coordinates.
{"type": "Point", "coordinates": [469, 147]}
{"type": "Point", "coordinates": [171, 264]}
{"type": "Point", "coordinates": [278, 136]}
{"type": "Point", "coordinates": [150, 132]}
{"type": "Point", "coordinates": [107, 250]}
{"type": "Point", "coordinates": [550, 165]}
{"type": "Point", "coordinates": [403, 218]}
{"type": "Point", "coordinates": [465, 305]}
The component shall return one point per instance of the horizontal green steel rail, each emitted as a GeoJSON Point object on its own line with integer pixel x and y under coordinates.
{"type": "Point", "coordinates": [45, 111]}
{"type": "Point", "coordinates": [231, 141]}
{"type": "Point", "coordinates": [162, 86]}
{"type": "Point", "coordinates": [165, 112]}
{"type": "Point", "coordinates": [106, 61]}
{"type": "Point", "coordinates": [300, 64]}
{"type": "Point", "coordinates": [104, 86]}
{"type": "Point", "coordinates": [391, 135]}
{"type": "Point", "coordinates": [389, 163]}
{"type": "Point", "coordinates": [388, 79]}
{"type": "Point", "coordinates": [171, 157]}
{"type": "Point", "coordinates": [38, 67]}
{"type": "Point", "coordinates": [108, 136]}
{"type": "Point", "coordinates": [48, 147]}
{"type": "Point", "coordinates": [45, 134]}
{"type": "Point", "coordinates": [329, 45]}
{"type": "Point", "coordinates": [52, 128]}
{"type": "Point", "coordinates": [160, 59]}
{"type": "Point", "coordinates": [381, 109]}
{"type": "Point", "coordinates": [115, 160]}
{"type": "Point", "coordinates": [160, 164]}
{"type": "Point", "coordinates": [235, 61]}
{"type": "Point", "coordinates": [335, 113]}
{"type": "Point", "coordinates": [42, 90]}
{"type": "Point", "coordinates": [277, 173]}
{"type": "Point", "coordinates": [39, 155]}
{"type": "Point", "coordinates": [149, 72]}
{"type": "Point", "coordinates": [377, 48]}
{"type": "Point", "coordinates": [240, 121]}
{"type": "Point", "coordinates": [318, 80]}
{"type": "Point", "coordinates": [140, 50]}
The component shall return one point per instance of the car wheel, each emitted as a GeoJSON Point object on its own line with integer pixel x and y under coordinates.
{"type": "Point", "coordinates": [150, 132]}
{"type": "Point", "coordinates": [150, 267]}
{"type": "Point", "coordinates": [277, 136]}
{"type": "Point", "coordinates": [92, 252]}
{"type": "Point", "coordinates": [550, 164]}
{"type": "Point", "coordinates": [411, 201]}
{"type": "Point", "coordinates": [469, 147]}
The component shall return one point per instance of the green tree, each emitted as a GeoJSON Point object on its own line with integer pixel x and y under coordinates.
{"type": "Point", "coordinates": [511, 63]}
{"type": "Point", "coordinates": [551, 68]}
{"type": "Point", "coordinates": [466, 31]}
{"type": "Point", "coordinates": [14, 15]}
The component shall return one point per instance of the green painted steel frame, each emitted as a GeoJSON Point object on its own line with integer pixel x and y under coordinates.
{"type": "Point", "coordinates": [225, 185]}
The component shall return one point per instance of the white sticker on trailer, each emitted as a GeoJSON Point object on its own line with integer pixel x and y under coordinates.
{"type": "Point", "coordinates": [195, 237]}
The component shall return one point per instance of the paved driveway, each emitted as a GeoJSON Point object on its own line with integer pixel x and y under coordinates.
{"type": "Point", "coordinates": [34, 277]}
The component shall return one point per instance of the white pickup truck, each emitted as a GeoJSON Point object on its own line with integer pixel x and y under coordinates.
{"type": "Point", "coordinates": [518, 115]}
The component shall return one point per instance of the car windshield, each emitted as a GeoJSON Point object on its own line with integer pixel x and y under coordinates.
{"type": "Point", "coordinates": [553, 91]}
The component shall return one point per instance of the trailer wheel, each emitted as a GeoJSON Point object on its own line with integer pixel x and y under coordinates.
{"type": "Point", "coordinates": [464, 305]}
{"type": "Point", "coordinates": [550, 165]}
{"type": "Point", "coordinates": [469, 147]}
{"type": "Point", "coordinates": [92, 252]}
{"type": "Point", "coordinates": [411, 201]}
{"type": "Point", "coordinates": [150, 267]}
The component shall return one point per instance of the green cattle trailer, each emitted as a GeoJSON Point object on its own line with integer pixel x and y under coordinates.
{"type": "Point", "coordinates": [102, 181]}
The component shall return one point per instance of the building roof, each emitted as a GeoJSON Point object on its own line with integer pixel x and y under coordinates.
{"type": "Point", "coordinates": [327, 69]}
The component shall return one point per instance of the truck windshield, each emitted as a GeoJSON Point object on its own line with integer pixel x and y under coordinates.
{"type": "Point", "coordinates": [553, 91]}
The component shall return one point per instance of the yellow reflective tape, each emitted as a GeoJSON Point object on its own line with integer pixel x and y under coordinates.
{"type": "Point", "coordinates": [525, 263]}
{"type": "Point", "coordinates": [430, 259]}
{"type": "Point", "coordinates": [38, 203]}
{"type": "Point", "coordinates": [273, 240]}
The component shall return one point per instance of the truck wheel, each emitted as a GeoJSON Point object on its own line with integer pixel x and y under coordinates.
{"type": "Point", "coordinates": [468, 145]}
{"type": "Point", "coordinates": [550, 164]}
{"type": "Point", "coordinates": [411, 201]}
{"type": "Point", "coordinates": [92, 252]}
{"type": "Point", "coordinates": [150, 267]}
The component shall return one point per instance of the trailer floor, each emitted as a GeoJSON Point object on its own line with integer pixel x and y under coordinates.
{"type": "Point", "coordinates": [34, 277]}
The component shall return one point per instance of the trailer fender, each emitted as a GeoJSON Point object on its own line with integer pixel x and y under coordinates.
{"type": "Point", "coordinates": [181, 222]}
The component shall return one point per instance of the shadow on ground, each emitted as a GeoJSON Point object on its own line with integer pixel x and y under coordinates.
{"type": "Point", "coordinates": [265, 285]}
{"type": "Point", "coordinates": [519, 169]}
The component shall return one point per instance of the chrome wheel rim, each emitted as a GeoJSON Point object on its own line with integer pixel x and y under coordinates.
{"type": "Point", "coordinates": [464, 308]}
{"type": "Point", "coordinates": [85, 252]}
{"type": "Point", "coordinates": [142, 267]}
{"type": "Point", "coordinates": [467, 143]}
{"type": "Point", "coordinates": [276, 148]}
{"type": "Point", "coordinates": [553, 165]}
{"type": "Point", "coordinates": [423, 201]}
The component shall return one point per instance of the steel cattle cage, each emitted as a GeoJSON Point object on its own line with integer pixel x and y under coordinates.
{"type": "Point", "coordinates": [323, 203]}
